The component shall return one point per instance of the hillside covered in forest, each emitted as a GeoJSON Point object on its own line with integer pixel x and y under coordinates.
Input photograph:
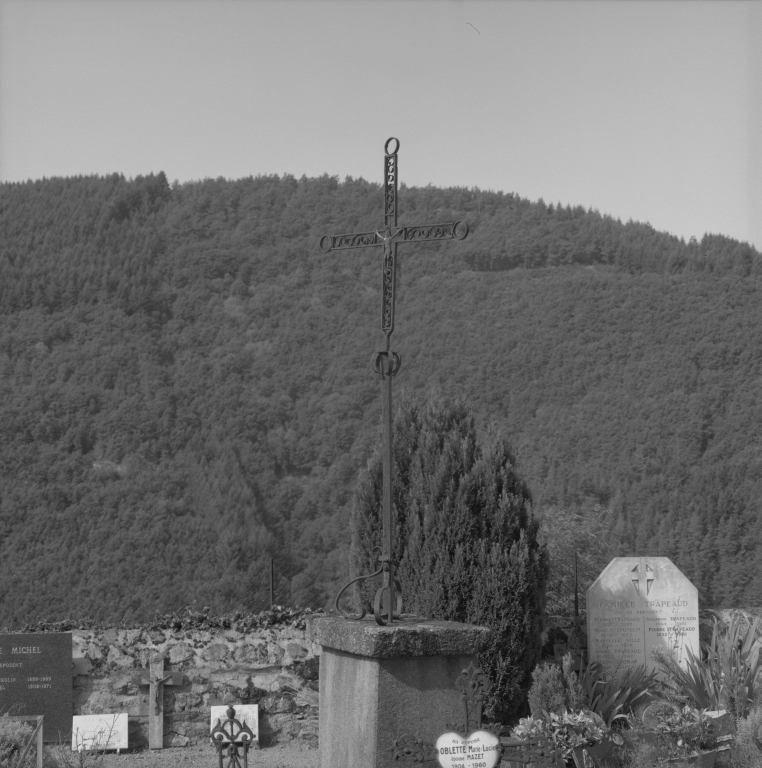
{"type": "Point", "coordinates": [186, 390]}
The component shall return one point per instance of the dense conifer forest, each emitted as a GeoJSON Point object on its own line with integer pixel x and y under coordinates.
{"type": "Point", "coordinates": [186, 391]}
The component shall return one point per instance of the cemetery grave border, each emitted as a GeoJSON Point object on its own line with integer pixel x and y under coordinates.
{"type": "Point", "coordinates": [35, 736]}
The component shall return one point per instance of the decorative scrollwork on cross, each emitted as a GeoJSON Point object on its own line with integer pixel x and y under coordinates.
{"type": "Point", "coordinates": [390, 174]}
{"type": "Point", "coordinates": [455, 231]}
{"type": "Point", "coordinates": [337, 603]}
{"type": "Point", "coordinates": [228, 737]}
{"type": "Point", "coordinates": [388, 603]}
{"type": "Point", "coordinates": [361, 240]}
{"type": "Point", "coordinates": [384, 366]}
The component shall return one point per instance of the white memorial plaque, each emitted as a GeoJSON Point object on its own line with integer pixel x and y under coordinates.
{"type": "Point", "coordinates": [99, 732]}
{"type": "Point", "coordinates": [480, 749]}
{"type": "Point", "coordinates": [636, 604]}
{"type": "Point", "coordinates": [244, 713]}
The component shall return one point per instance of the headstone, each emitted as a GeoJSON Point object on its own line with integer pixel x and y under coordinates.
{"type": "Point", "coordinates": [246, 714]}
{"type": "Point", "coordinates": [480, 748]}
{"type": "Point", "coordinates": [36, 679]}
{"type": "Point", "coordinates": [637, 604]}
{"type": "Point", "coordinates": [99, 732]}
{"type": "Point", "coordinates": [156, 680]}
{"type": "Point", "coordinates": [380, 682]}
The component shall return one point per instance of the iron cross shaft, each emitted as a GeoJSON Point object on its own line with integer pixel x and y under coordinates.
{"type": "Point", "coordinates": [387, 605]}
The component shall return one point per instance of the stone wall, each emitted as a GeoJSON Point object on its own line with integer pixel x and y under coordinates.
{"type": "Point", "coordinates": [276, 668]}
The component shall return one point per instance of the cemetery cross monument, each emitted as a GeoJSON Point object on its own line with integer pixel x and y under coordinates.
{"type": "Point", "coordinates": [380, 679]}
{"type": "Point", "coordinates": [388, 600]}
{"type": "Point", "coordinates": [156, 680]}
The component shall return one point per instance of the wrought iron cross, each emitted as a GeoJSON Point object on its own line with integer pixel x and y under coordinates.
{"type": "Point", "coordinates": [387, 363]}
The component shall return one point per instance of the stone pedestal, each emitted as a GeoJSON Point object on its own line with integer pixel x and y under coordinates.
{"type": "Point", "coordinates": [380, 683]}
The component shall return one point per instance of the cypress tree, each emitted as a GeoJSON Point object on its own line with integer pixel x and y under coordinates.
{"type": "Point", "coordinates": [466, 541]}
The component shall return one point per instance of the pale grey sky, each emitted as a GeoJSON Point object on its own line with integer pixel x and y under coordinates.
{"type": "Point", "coordinates": [643, 110]}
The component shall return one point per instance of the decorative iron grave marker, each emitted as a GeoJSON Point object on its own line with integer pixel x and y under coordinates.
{"type": "Point", "coordinates": [35, 679]}
{"type": "Point", "coordinates": [387, 605]}
{"type": "Point", "coordinates": [230, 735]}
{"type": "Point", "coordinates": [246, 714]}
{"type": "Point", "coordinates": [485, 745]}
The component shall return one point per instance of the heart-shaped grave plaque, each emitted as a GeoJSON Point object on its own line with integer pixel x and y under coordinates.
{"type": "Point", "coordinates": [480, 749]}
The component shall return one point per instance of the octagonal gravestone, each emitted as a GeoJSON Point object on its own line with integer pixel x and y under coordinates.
{"type": "Point", "coordinates": [636, 604]}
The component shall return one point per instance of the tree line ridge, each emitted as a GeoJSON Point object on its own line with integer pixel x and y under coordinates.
{"type": "Point", "coordinates": [185, 389]}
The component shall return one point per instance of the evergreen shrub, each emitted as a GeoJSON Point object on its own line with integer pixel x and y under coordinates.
{"type": "Point", "coordinates": [466, 540]}
{"type": "Point", "coordinates": [547, 693]}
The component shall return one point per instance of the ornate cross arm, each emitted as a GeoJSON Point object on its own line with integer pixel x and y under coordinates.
{"type": "Point", "coordinates": [339, 242]}
{"type": "Point", "coordinates": [456, 230]}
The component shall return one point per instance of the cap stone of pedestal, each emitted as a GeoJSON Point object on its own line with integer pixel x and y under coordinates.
{"type": "Point", "coordinates": [411, 637]}
{"type": "Point", "coordinates": [378, 684]}
{"type": "Point", "coordinates": [637, 604]}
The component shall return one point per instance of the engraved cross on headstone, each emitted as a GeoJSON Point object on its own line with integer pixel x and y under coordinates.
{"type": "Point", "coordinates": [156, 680]}
{"type": "Point", "coordinates": [388, 602]}
{"type": "Point", "coordinates": [647, 575]}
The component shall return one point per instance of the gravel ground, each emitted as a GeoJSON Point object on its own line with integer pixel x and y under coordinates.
{"type": "Point", "coordinates": [278, 756]}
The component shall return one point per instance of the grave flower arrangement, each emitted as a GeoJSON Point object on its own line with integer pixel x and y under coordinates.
{"type": "Point", "coordinates": [567, 730]}
{"type": "Point", "coordinates": [692, 731]}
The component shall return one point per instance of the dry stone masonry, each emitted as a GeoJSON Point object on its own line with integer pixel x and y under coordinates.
{"type": "Point", "coordinates": [276, 668]}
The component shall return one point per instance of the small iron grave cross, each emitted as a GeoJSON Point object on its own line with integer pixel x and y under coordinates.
{"type": "Point", "coordinates": [156, 681]}
{"type": "Point", "coordinates": [388, 602]}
